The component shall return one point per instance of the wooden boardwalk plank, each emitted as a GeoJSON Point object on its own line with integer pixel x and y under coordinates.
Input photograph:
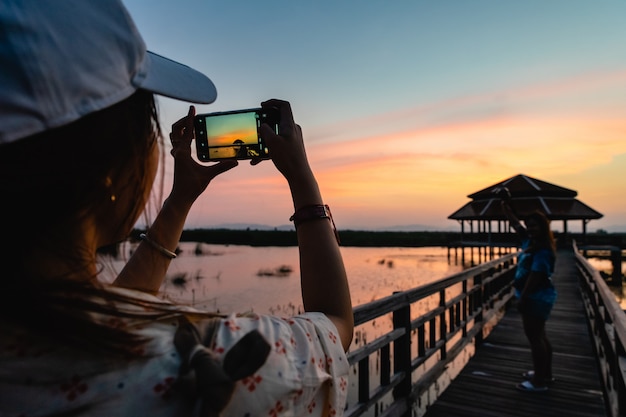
{"type": "Point", "coordinates": [486, 386]}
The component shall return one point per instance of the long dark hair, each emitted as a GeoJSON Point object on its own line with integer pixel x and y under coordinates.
{"type": "Point", "coordinates": [50, 180]}
{"type": "Point", "coordinates": [545, 239]}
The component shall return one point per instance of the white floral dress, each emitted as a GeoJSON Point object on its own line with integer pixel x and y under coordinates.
{"type": "Point", "coordinates": [305, 373]}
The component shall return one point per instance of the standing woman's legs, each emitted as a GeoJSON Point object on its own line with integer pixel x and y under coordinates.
{"type": "Point", "coordinates": [548, 346]}
{"type": "Point", "coordinates": [540, 347]}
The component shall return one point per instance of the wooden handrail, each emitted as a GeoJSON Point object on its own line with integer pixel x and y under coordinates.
{"type": "Point", "coordinates": [407, 352]}
{"type": "Point", "coordinates": [607, 321]}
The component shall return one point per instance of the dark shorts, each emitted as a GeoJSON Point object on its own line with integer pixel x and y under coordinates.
{"type": "Point", "coordinates": [540, 303]}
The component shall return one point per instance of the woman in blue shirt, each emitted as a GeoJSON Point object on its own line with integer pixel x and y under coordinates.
{"type": "Point", "coordinates": [535, 292]}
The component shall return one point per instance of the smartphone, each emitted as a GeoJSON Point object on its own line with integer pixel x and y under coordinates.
{"type": "Point", "coordinates": [233, 134]}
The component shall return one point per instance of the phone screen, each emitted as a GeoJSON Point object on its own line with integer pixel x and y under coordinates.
{"type": "Point", "coordinates": [230, 135]}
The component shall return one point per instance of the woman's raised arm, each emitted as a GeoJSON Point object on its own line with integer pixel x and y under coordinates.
{"type": "Point", "coordinates": [323, 276]}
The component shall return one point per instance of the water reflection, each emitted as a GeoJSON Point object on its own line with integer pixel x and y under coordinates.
{"type": "Point", "coordinates": [605, 267]}
{"type": "Point", "coordinates": [230, 278]}
{"type": "Point", "coordinates": [266, 279]}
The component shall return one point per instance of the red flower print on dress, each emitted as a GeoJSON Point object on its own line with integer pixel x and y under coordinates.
{"type": "Point", "coordinates": [162, 388]}
{"type": "Point", "coordinates": [231, 326]}
{"type": "Point", "coordinates": [277, 409]}
{"type": "Point", "coordinates": [280, 348]}
{"type": "Point", "coordinates": [343, 384]}
{"type": "Point", "coordinates": [251, 382]}
{"type": "Point", "coordinates": [311, 407]}
{"type": "Point", "coordinates": [308, 336]}
{"type": "Point", "coordinates": [332, 337]}
{"type": "Point", "coordinates": [331, 412]}
{"type": "Point", "coordinates": [298, 394]}
{"type": "Point", "coordinates": [74, 388]}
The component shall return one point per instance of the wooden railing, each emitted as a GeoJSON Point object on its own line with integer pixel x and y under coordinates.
{"type": "Point", "coordinates": [607, 322]}
{"type": "Point", "coordinates": [416, 352]}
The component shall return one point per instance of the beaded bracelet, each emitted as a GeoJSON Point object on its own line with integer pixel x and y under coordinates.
{"type": "Point", "coordinates": [165, 252]}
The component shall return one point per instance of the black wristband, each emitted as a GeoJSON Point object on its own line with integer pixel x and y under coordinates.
{"type": "Point", "coordinates": [313, 212]}
{"type": "Point", "coordinates": [308, 213]}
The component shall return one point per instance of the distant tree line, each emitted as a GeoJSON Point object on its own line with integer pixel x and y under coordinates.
{"type": "Point", "coordinates": [347, 238]}
{"type": "Point", "coordinates": [358, 238]}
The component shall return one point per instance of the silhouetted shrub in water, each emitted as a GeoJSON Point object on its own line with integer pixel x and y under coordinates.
{"type": "Point", "coordinates": [281, 271]}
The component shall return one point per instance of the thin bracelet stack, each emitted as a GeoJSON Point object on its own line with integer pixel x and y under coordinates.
{"type": "Point", "coordinates": [313, 212]}
{"type": "Point", "coordinates": [161, 249]}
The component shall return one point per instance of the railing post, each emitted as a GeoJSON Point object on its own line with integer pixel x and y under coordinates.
{"type": "Point", "coordinates": [478, 281]}
{"type": "Point", "coordinates": [364, 380]}
{"type": "Point", "coordinates": [620, 366]}
{"type": "Point", "coordinates": [464, 308]}
{"type": "Point", "coordinates": [443, 325]}
{"type": "Point", "coordinates": [402, 353]}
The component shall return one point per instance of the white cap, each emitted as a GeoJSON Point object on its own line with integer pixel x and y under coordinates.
{"type": "Point", "coordinates": [61, 60]}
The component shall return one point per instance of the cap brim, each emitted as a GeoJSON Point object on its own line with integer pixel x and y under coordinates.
{"type": "Point", "coordinates": [175, 80]}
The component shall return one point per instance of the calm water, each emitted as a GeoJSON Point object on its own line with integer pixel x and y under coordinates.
{"type": "Point", "coordinates": [605, 265]}
{"type": "Point", "coordinates": [266, 279]}
{"type": "Point", "coordinates": [231, 278]}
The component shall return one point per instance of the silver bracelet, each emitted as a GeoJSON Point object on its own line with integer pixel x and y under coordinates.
{"type": "Point", "coordinates": [166, 252]}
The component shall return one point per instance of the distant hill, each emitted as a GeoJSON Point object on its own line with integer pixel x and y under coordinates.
{"type": "Point", "coordinates": [251, 226]}
{"type": "Point", "coordinates": [247, 234]}
{"type": "Point", "coordinates": [288, 227]}
{"type": "Point", "coordinates": [397, 228]}
{"type": "Point", "coordinates": [418, 228]}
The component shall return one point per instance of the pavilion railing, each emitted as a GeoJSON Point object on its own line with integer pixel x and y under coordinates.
{"type": "Point", "coordinates": [416, 352]}
{"type": "Point", "coordinates": [607, 322]}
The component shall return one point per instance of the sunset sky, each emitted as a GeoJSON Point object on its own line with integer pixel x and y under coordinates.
{"type": "Point", "coordinates": [409, 106]}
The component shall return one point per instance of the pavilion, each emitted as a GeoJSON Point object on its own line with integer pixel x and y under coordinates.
{"type": "Point", "coordinates": [527, 195]}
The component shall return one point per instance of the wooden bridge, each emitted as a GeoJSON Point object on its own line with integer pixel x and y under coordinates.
{"type": "Point", "coordinates": [456, 348]}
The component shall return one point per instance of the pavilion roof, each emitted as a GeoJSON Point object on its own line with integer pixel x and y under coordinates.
{"type": "Point", "coordinates": [527, 195]}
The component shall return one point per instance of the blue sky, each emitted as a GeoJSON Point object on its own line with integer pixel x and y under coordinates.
{"type": "Point", "coordinates": [462, 93]}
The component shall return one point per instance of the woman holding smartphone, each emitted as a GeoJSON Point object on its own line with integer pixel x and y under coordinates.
{"type": "Point", "coordinates": [79, 150]}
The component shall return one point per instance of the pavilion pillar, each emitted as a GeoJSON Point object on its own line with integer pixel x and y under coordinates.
{"type": "Point", "coordinates": [490, 240]}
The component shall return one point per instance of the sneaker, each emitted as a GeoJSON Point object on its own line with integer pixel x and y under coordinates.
{"type": "Point", "coordinates": [528, 375]}
{"type": "Point", "coordinates": [529, 387]}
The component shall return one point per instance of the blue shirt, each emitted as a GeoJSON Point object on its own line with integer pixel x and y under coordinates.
{"type": "Point", "coordinates": [541, 261]}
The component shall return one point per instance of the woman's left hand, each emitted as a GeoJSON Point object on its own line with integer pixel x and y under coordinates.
{"type": "Point", "coordinates": [190, 177]}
